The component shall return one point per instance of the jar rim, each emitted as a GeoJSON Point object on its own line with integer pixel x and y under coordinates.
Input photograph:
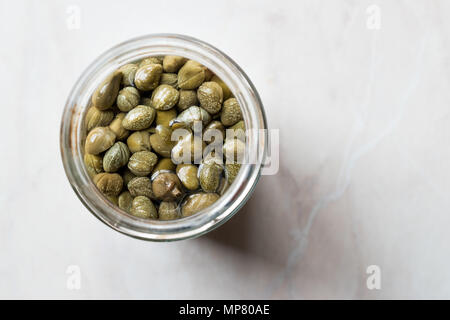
{"type": "Point", "coordinates": [72, 126]}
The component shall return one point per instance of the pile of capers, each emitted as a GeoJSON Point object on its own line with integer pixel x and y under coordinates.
{"type": "Point", "coordinates": [128, 146]}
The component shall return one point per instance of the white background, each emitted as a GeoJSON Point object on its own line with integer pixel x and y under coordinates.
{"type": "Point", "coordinates": [364, 118]}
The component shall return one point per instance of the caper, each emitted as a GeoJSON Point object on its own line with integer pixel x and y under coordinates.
{"type": "Point", "coordinates": [173, 63]}
{"type": "Point", "coordinates": [99, 139]}
{"type": "Point", "coordinates": [128, 98]}
{"type": "Point", "coordinates": [147, 77]}
{"type": "Point", "coordinates": [167, 187]}
{"type": "Point", "coordinates": [165, 164]}
{"type": "Point", "coordinates": [143, 207]}
{"type": "Point", "coordinates": [116, 157]}
{"type": "Point", "coordinates": [188, 98]}
{"type": "Point", "coordinates": [210, 174]}
{"type": "Point", "coordinates": [128, 72]}
{"type": "Point", "coordinates": [187, 173]}
{"type": "Point", "coordinates": [208, 74]}
{"type": "Point", "coordinates": [106, 93]}
{"type": "Point", "coordinates": [141, 163]}
{"type": "Point", "coordinates": [238, 126]}
{"type": "Point", "coordinates": [168, 211]}
{"type": "Point", "coordinates": [97, 118]}
{"type": "Point", "coordinates": [197, 202]}
{"type": "Point", "coordinates": [210, 96]}
{"type": "Point", "coordinates": [125, 200]}
{"type": "Point", "coordinates": [170, 79]}
{"type": "Point", "coordinates": [161, 141]}
{"type": "Point", "coordinates": [141, 186]}
{"type": "Point", "coordinates": [231, 112]}
{"type": "Point", "coordinates": [234, 150]}
{"type": "Point", "coordinates": [139, 141]}
{"type": "Point", "coordinates": [117, 127]}
{"type": "Point", "coordinates": [139, 118]}
{"type": "Point", "coordinates": [164, 97]}
{"type": "Point", "coordinates": [150, 60]}
{"type": "Point", "coordinates": [191, 75]}
{"type": "Point", "coordinates": [112, 198]}
{"type": "Point", "coordinates": [226, 91]}
{"type": "Point", "coordinates": [109, 183]}
{"type": "Point", "coordinates": [231, 171]}
{"type": "Point", "coordinates": [190, 115]}
{"type": "Point", "coordinates": [94, 164]}
{"type": "Point", "coordinates": [213, 130]}
{"type": "Point", "coordinates": [145, 101]}
{"type": "Point", "coordinates": [236, 131]}
{"type": "Point", "coordinates": [164, 117]}
{"type": "Point", "coordinates": [127, 175]}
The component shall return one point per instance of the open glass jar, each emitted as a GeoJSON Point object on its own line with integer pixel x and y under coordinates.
{"type": "Point", "coordinates": [73, 133]}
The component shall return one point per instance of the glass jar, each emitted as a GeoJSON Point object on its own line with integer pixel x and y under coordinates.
{"type": "Point", "coordinates": [73, 133]}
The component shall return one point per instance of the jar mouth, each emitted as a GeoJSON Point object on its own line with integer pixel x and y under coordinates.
{"type": "Point", "coordinates": [72, 134]}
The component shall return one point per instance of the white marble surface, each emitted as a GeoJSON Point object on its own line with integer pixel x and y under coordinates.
{"type": "Point", "coordinates": [364, 117]}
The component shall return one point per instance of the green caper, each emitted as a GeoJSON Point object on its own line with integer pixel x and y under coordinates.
{"type": "Point", "coordinates": [147, 77]}
{"type": "Point", "coordinates": [128, 98]}
{"type": "Point", "coordinates": [210, 96]}
{"type": "Point", "coordinates": [164, 117]}
{"type": "Point", "coordinates": [191, 75]}
{"type": "Point", "coordinates": [143, 207]}
{"type": "Point", "coordinates": [190, 115]}
{"type": "Point", "coordinates": [109, 183]}
{"type": "Point", "coordinates": [150, 60]}
{"type": "Point", "coordinates": [188, 98]}
{"type": "Point", "coordinates": [106, 93]}
{"type": "Point", "coordinates": [112, 198]}
{"type": "Point", "coordinates": [117, 127]}
{"type": "Point", "coordinates": [141, 163]}
{"type": "Point", "coordinates": [231, 112]}
{"type": "Point", "coordinates": [170, 79]}
{"type": "Point", "coordinates": [168, 211]}
{"type": "Point", "coordinates": [99, 139]}
{"type": "Point", "coordinates": [161, 141]}
{"type": "Point", "coordinates": [210, 173]}
{"type": "Point", "coordinates": [173, 63]}
{"type": "Point", "coordinates": [231, 171]}
{"type": "Point", "coordinates": [164, 97]}
{"type": "Point", "coordinates": [128, 72]}
{"type": "Point", "coordinates": [125, 200]}
{"type": "Point", "coordinates": [139, 141]}
{"type": "Point", "coordinates": [97, 118]}
{"type": "Point", "coordinates": [197, 202]}
{"type": "Point", "coordinates": [145, 101]}
{"type": "Point", "coordinates": [167, 187]}
{"type": "Point", "coordinates": [213, 130]}
{"type": "Point", "coordinates": [187, 173]}
{"type": "Point", "coordinates": [141, 186]}
{"type": "Point", "coordinates": [226, 91]}
{"type": "Point", "coordinates": [127, 175]}
{"type": "Point", "coordinates": [165, 164]}
{"type": "Point", "coordinates": [139, 118]}
{"type": "Point", "coordinates": [238, 126]}
{"type": "Point", "coordinates": [208, 74]}
{"type": "Point", "coordinates": [94, 164]}
{"type": "Point", "coordinates": [116, 157]}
